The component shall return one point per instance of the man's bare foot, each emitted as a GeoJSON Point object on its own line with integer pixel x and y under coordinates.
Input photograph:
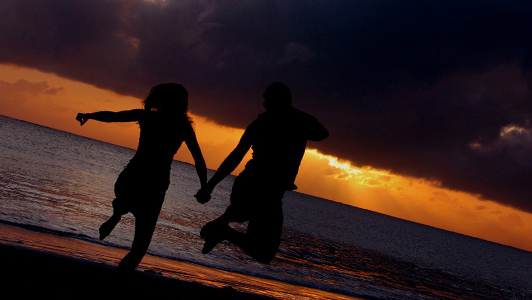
{"type": "Point", "coordinates": [213, 233]}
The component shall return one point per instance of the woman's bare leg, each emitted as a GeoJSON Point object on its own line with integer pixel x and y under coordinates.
{"type": "Point", "coordinates": [119, 209]}
{"type": "Point", "coordinates": [144, 228]}
{"type": "Point", "coordinates": [109, 225]}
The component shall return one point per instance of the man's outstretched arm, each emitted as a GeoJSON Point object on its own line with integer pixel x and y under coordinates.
{"type": "Point", "coordinates": [227, 166]}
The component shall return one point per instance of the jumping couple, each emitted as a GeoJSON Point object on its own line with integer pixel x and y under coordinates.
{"type": "Point", "coordinates": [278, 138]}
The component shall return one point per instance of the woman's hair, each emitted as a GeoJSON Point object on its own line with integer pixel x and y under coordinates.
{"type": "Point", "coordinates": [168, 97]}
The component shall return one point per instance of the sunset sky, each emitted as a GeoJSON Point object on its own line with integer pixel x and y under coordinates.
{"type": "Point", "coordinates": [428, 102]}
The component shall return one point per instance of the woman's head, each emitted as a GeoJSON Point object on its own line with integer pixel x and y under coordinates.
{"type": "Point", "coordinates": [167, 97]}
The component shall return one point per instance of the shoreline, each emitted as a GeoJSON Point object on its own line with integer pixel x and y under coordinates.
{"type": "Point", "coordinates": [45, 265]}
{"type": "Point", "coordinates": [34, 273]}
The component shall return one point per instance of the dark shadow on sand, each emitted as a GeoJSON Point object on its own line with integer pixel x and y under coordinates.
{"type": "Point", "coordinates": [37, 274]}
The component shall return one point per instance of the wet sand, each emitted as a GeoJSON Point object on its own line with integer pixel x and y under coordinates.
{"type": "Point", "coordinates": [41, 275]}
{"type": "Point", "coordinates": [42, 265]}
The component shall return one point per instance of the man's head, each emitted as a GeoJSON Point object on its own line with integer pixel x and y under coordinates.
{"type": "Point", "coordinates": [277, 96]}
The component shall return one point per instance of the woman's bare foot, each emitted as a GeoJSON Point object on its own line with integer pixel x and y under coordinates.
{"type": "Point", "coordinates": [108, 226]}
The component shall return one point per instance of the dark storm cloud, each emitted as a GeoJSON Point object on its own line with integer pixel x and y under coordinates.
{"type": "Point", "coordinates": [435, 89]}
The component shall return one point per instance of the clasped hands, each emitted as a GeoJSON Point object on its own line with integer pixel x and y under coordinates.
{"type": "Point", "coordinates": [204, 195]}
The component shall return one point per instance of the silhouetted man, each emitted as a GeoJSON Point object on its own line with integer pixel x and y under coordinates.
{"type": "Point", "coordinates": [278, 138]}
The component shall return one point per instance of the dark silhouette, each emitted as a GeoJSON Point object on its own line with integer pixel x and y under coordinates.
{"type": "Point", "coordinates": [278, 138]}
{"type": "Point", "coordinates": [141, 187]}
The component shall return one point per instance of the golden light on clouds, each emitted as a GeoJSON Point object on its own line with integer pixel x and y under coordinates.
{"type": "Point", "coordinates": [415, 199]}
{"type": "Point", "coordinates": [52, 101]}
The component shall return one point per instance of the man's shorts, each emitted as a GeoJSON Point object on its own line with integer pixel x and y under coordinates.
{"type": "Point", "coordinates": [252, 198]}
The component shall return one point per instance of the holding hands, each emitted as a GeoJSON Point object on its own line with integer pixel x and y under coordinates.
{"type": "Point", "coordinates": [204, 195]}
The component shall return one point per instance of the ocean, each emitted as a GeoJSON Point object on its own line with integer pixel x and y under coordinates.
{"type": "Point", "coordinates": [61, 184]}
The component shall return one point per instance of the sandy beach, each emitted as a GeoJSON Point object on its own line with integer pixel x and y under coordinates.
{"type": "Point", "coordinates": [44, 265]}
{"type": "Point", "coordinates": [38, 274]}
{"type": "Point", "coordinates": [31, 273]}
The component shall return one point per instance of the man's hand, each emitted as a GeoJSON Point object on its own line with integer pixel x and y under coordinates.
{"type": "Point", "coordinates": [203, 196]}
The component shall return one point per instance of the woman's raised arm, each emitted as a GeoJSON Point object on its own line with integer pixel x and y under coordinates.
{"type": "Point", "coordinates": [108, 116]}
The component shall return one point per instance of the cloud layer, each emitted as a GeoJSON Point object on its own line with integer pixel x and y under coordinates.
{"type": "Point", "coordinates": [439, 90]}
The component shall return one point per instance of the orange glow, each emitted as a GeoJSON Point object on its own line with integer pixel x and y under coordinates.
{"type": "Point", "coordinates": [27, 95]}
{"type": "Point", "coordinates": [414, 199]}
{"type": "Point", "coordinates": [216, 143]}
{"type": "Point", "coordinates": [54, 102]}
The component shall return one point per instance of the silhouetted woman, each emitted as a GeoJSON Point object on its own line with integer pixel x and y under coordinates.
{"type": "Point", "coordinates": [141, 187]}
